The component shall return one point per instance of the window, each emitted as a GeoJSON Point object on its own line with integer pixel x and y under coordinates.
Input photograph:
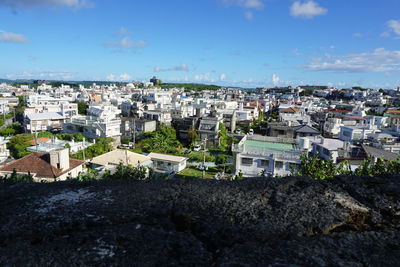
{"type": "Point", "coordinates": [264, 163]}
{"type": "Point", "coordinates": [278, 165]}
{"type": "Point", "coordinates": [346, 133]}
{"type": "Point", "coordinates": [326, 152]}
{"type": "Point", "coordinates": [247, 161]}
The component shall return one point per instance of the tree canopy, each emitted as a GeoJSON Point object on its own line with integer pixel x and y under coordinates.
{"type": "Point", "coordinates": [191, 86]}
{"type": "Point", "coordinates": [163, 140]}
{"type": "Point", "coordinates": [102, 146]}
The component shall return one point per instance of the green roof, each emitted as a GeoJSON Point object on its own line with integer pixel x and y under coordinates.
{"type": "Point", "coordinates": [269, 145]}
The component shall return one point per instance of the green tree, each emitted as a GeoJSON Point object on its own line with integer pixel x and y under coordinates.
{"type": "Point", "coordinates": [19, 109]}
{"type": "Point", "coordinates": [222, 159]}
{"type": "Point", "coordinates": [82, 107]}
{"type": "Point", "coordinates": [7, 132]}
{"type": "Point", "coordinates": [18, 145]}
{"type": "Point", "coordinates": [163, 140]}
{"type": "Point", "coordinates": [127, 172]}
{"type": "Point", "coordinates": [17, 178]}
{"type": "Point", "coordinates": [225, 141]}
{"type": "Point", "coordinates": [102, 146]}
{"type": "Point", "coordinates": [316, 167]}
{"type": "Point", "coordinates": [125, 140]}
{"type": "Point", "coordinates": [78, 137]}
{"type": "Point", "coordinates": [192, 136]}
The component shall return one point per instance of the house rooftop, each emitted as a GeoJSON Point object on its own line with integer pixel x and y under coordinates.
{"type": "Point", "coordinates": [38, 164]}
{"type": "Point", "coordinates": [120, 156]}
{"type": "Point", "coordinates": [164, 157]}
{"type": "Point", "coordinates": [379, 153]}
{"type": "Point", "coordinates": [45, 116]}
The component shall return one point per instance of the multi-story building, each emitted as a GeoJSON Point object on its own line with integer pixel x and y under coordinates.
{"type": "Point", "coordinates": [65, 108]}
{"type": "Point", "coordinates": [260, 155]}
{"type": "Point", "coordinates": [161, 116]}
{"type": "Point", "coordinates": [209, 129]}
{"type": "Point", "coordinates": [100, 122]}
{"type": "Point", "coordinates": [356, 133]}
{"type": "Point", "coordinates": [4, 152]}
{"type": "Point", "coordinates": [45, 121]}
{"type": "Point", "coordinates": [131, 126]}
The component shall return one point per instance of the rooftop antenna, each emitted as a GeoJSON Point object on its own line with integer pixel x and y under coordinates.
{"type": "Point", "coordinates": [36, 139]}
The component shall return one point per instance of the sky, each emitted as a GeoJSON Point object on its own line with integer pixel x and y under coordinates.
{"type": "Point", "coordinates": [247, 43]}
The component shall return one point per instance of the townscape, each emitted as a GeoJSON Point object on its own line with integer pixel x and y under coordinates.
{"type": "Point", "coordinates": [53, 131]}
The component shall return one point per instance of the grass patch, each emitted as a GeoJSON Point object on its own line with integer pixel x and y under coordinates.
{"type": "Point", "coordinates": [194, 173]}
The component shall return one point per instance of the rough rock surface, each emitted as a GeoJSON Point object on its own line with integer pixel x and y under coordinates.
{"type": "Point", "coordinates": [345, 221]}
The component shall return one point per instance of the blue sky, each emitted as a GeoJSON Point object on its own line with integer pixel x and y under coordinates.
{"type": "Point", "coordinates": [229, 42]}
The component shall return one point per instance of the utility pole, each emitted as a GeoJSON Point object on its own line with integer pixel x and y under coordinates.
{"type": "Point", "coordinates": [204, 157]}
{"type": "Point", "coordinates": [134, 132]}
{"type": "Point", "coordinates": [83, 150]}
{"type": "Point", "coordinates": [36, 140]}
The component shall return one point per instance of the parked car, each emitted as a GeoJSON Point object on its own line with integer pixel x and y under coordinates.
{"type": "Point", "coordinates": [251, 132]}
{"type": "Point", "coordinates": [187, 151]}
{"type": "Point", "coordinates": [197, 148]}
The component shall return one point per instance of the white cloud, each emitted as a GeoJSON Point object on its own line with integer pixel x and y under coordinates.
{"type": "Point", "coordinates": [385, 34]}
{"type": "Point", "coordinates": [42, 75]}
{"type": "Point", "coordinates": [248, 5]}
{"type": "Point", "coordinates": [357, 34]}
{"type": "Point", "coordinates": [182, 67]}
{"type": "Point", "coordinates": [206, 77]}
{"type": "Point", "coordinates": [380, 60]}
{"type": "Point", "coordinates": [122, 31]}
{"type": "Point", "coordinates": [252, 4]}
{"type": "Point", "coordinates": [394, 26]}
{"type": "Point", "coordinates": [222, 77]}
{"type": "Point", "coordinates": [121, 77]}
{"type": "Point", "coordinates": [307, 10]}
{"type": "Point", "coordinates": [126, 43]}
{"type": "Point", "coordinates": [15, 4]}
{"type": "Point", "coordinates": [275, 79]}
{"type": "Point", "coordinates": [111, 77]}
{"type": "Point", "coordinates": [9, 37]}
{"type": "Point", "coordinates": [248, 15]}
{"type": "Point", "coordinates": [124, 77]}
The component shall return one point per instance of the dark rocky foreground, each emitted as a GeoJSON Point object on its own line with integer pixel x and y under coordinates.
{"type": "Point", "coordinates": [345, 221]}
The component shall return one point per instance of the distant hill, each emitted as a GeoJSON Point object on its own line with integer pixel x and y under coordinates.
{"type": "Point", "coordinates": [191, 86]}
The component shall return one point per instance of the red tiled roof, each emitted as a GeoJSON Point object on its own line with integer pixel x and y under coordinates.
{"type": "Point", "coordinates": [355, 118]}
{"type": "Point", "coordinates": [39, 164]}
{"type": "Point", "coordinates": [393, 111]}
{"type": "Point", "coordinates": [39, 140]}
{"type": "Point", "coordinates": [337, 110]}
{"type": "Point", "coordinates": [290, 110]}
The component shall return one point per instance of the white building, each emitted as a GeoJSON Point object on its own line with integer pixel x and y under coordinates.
{"type": "Point", "coordinates": [46, 121]}
{"type": "Point", "coordinates": [110, 160]}
{"type": "Point", "coordinates": [101, 121]}
{"type": "Point", "coordinates": [165, 162]}
{"type": "Point", "coordinates": [257, 155]}
{"type": "Point", "coordinates": [159, 97]}
{"type": "Point", "coordinates": [54, 144]}
{"type": "Point", "coordinates": [65, 108]}
{"type": "Point", "coordinates": [4, 109]}
{"type": "Point", "coordinates": [161, 116]}
{"type": "Point", "coordinates": [357, 132]}
{"type": "Point", "coordinates": [4, 152]}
